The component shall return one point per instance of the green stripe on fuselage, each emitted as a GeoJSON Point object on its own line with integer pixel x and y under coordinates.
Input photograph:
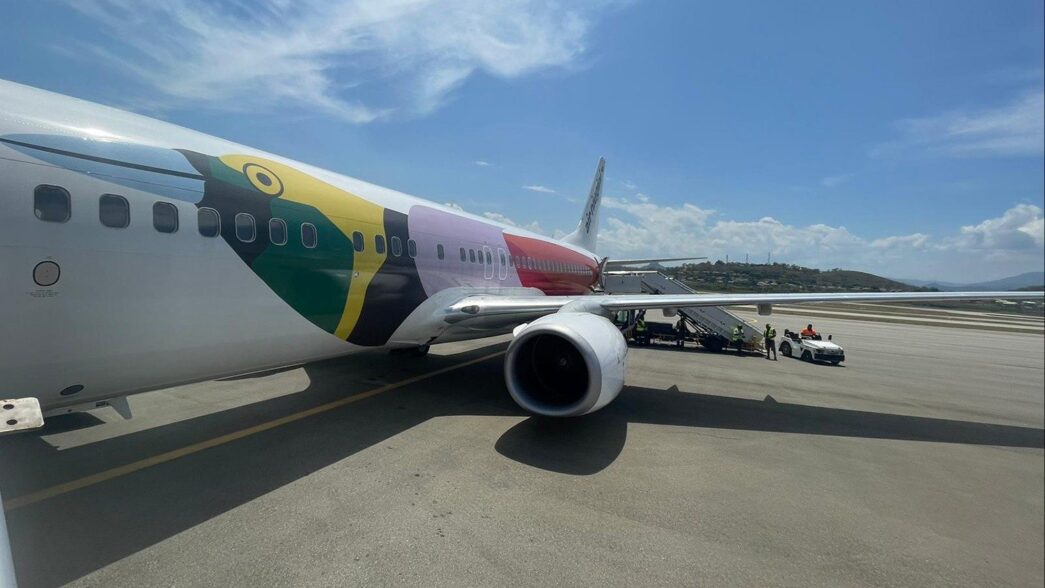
{"type": "Point", "coordinates": [313, 281]}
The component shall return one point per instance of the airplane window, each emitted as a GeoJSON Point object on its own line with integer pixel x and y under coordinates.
{"type": "Point", "coordinates": [245, 227]}
{"type": "Point", "coordinates": [504, 262]}
{"type": "Point", "coordinates": [379, 244]}
{"type": "Point", "coordinates": [439, 252]}
{"type": "Point", "coordinates": [488, 258]}
{"type": "Point", "coordinates": [411, 248]}
{"type": "Point", "coordinates": [471, 255]}
{"type": "Point", "coordinates": [278, 231]}
{"type": "Point", "coordinates": [309, 236]}
{"type": "Point", "coordinates": [357, 241]}
{"type": "Point", "coordinates": [165, 217]}
{"type": "Point", "coordinates": [397, 246]}
{"type": "Point", "coordinates": [114, 211]}
{"type": "Point", "coordinates": [464, 257]}
{"type": "Point", "coordinates": [481, 260]}
{"type": "Point", "coordinates": [511, 261]}
{"type": "Point", "coordinates": [52, 204]}
{"type": "Point", "coordinates": [208, 222]}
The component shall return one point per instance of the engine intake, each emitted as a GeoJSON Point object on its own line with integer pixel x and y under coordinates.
{"type": "Point", "coordinates": [566, 364]}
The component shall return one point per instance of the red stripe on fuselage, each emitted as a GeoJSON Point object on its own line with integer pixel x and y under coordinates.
{"type": "Point", "coordinates": [551, 268]}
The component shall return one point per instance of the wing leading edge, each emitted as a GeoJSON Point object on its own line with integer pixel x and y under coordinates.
{"type": "Point", "coordinates": [475, 306]}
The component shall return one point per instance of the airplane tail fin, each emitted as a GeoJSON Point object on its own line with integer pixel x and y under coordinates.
{"type": "Point", "coordinates": [588, 229]}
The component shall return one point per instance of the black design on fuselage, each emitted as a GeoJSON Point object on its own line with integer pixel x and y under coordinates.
{"type": "Point", "coordinates": [394, 292]}
{"type": "Point", "coordinates": [230, 199]}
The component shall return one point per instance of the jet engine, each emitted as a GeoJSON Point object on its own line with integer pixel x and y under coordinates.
{"type": "Point", "coordinates": [566, 364]}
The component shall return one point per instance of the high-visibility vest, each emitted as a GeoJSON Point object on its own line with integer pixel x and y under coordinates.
{"type": "Point", "coordinates": [738, 335]}
{"type": "Point", "coordinates": [770, 333]}
{"type": "Point", "coordinates": [641, 325]}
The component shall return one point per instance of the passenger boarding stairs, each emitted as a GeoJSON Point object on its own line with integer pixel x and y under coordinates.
{"type": "Point", "coordinates": [713, 324]}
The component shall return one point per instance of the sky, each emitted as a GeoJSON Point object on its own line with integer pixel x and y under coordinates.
{"type": "Point", "coordinates": [902, 138]}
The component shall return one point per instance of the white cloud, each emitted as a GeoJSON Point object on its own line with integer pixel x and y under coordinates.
{"type": "Point", "coordinates": [832, 181]}
{"type": "Point", "coordinates": [481, 163]}
{"type": "Point", "coordinates": [1011, 243]}
{"type": "Point", "coordinates": [906, 242]}
{"type": "Point", "coordinates": [1020, 228]}
{"type": "Point", "coordinates": [533, 227]}
{"type": "Point", "coordinates": [1014, 129]}
{"type": "Point", "coordinates": [453, 205]}
{"type": "Point", "coordinates": [542, 189]}
{"type": "Point", "coordinates": [353, 59]}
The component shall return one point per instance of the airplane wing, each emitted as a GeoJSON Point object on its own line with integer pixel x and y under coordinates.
{"type": "Point", "coordinates": [492, 305]}
{"type": "Point", "coordinates": [612, 264]}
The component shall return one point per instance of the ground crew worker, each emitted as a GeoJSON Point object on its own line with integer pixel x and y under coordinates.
{"type": "Point", "coordinates": [680, 333]}
{"type": "Point", "coordinates": [808, 331]}
{"type": "Point", "coordinates": [770, 336]}
{"type": "Point", "coordinates": [738, 338]}
{"type": "Point", "coordinates": [641, 335]}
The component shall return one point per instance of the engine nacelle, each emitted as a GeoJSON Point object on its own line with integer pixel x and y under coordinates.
{"type": "Point", "coordinates": [566, 364]}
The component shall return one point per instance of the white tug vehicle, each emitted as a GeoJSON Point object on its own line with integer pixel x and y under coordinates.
{"type": "Point", "coordinates": [812, 348]}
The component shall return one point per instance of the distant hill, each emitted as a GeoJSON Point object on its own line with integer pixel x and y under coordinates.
{"type": "Point", "coordinates": [1019, 282]}
{"type": "Point", "coordinates": [780, 277]}
{"type": "Point", "coordinates": [1011, 282]}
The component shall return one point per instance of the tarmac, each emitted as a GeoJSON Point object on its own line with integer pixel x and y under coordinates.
{"type": "Point", "coordinates": [920, 461]}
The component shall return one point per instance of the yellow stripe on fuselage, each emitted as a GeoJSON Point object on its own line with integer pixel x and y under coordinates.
{"type": "Point", "coordinates": [347, 211]}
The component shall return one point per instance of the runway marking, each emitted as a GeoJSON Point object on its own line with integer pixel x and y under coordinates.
{"type": "Point", "coordinates": [87, 481]}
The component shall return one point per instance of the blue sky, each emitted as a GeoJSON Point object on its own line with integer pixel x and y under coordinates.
{"type": "Point", "coordinates": [903, 138]}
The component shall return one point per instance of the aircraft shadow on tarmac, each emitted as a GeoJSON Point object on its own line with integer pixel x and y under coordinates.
{"type": "Point", "coordinates": [588, 444]}
{"type": "Point", "coordinates": [103, 523]}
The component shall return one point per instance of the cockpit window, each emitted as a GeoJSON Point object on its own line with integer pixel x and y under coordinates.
{"type": "Point", "coordinates": [245, 227]}
{"type": "Point", "coordinates": [308, 235]}
{"type": "Point", "coordinates": [209, 222]}
{"type": "Point", "coordinates": [52, 204]}
{"type": "Point", "coordinates": [114, 211]}
{"type": "Point", "coordinates": [165, 217]}
{"type": "Point", "coordinates": [278, 231]}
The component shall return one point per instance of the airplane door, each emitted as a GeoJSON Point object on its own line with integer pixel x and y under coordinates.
{"type": "Point", "coordinates": [502, 265]}
{"type": "Point", "coordinates": [488, 266]}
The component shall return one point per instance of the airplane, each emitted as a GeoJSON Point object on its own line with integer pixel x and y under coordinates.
{"type": "Point", "coordinates": [137, 255]}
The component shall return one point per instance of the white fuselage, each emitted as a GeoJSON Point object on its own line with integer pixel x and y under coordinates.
{"type": "Point", "coordinates": [136, 309]}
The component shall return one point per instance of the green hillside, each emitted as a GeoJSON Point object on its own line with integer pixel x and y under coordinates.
{"type": "Point", "coordinates": [781, 277]}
